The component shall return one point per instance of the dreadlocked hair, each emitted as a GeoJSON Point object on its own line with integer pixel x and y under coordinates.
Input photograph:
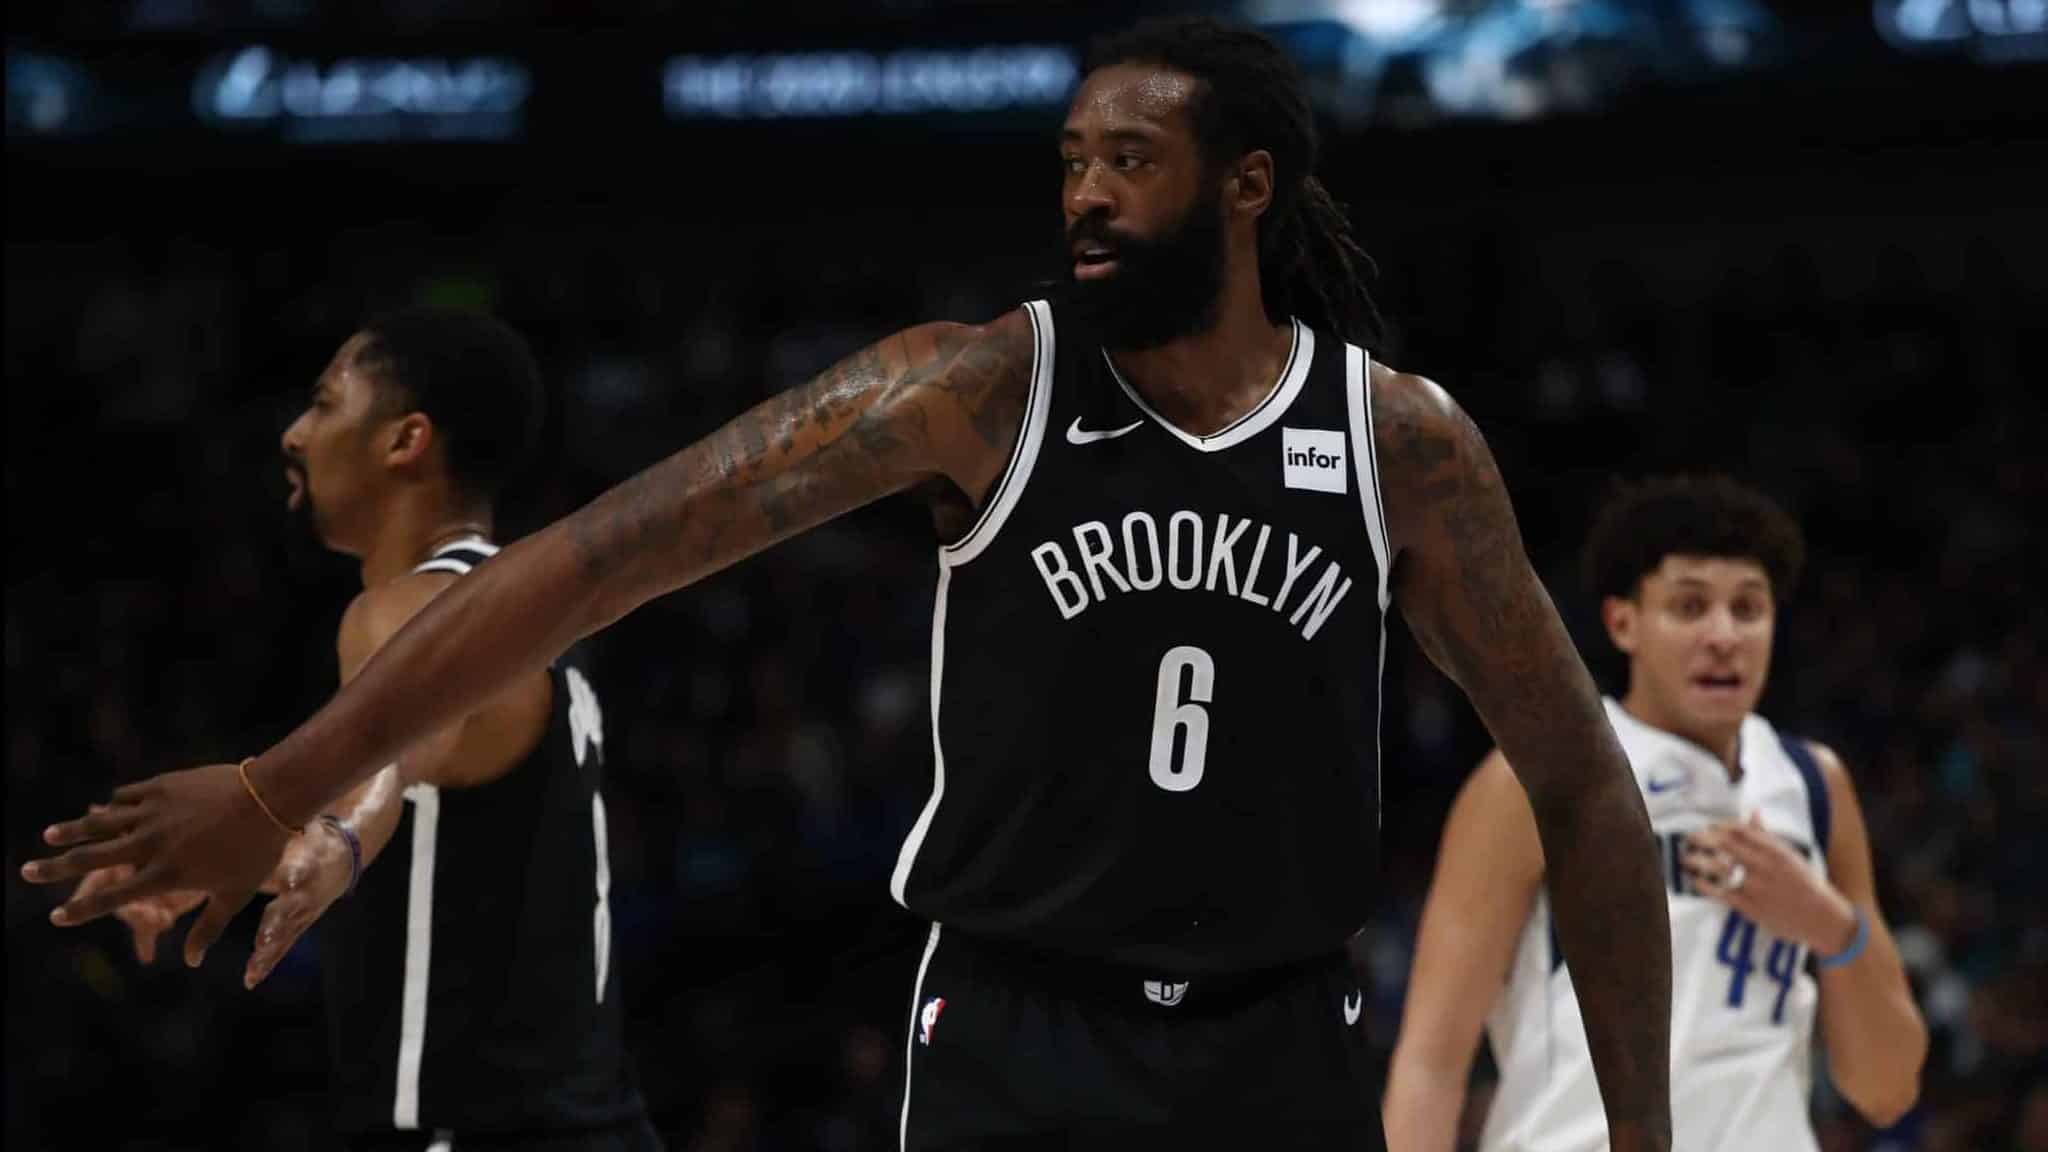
{"type": "Point", "coordinates": [1251, 96]}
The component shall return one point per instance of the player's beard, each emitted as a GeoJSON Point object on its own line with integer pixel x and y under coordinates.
{"type": "Point", "coordinates": [1164, 287]}
{"type": "Point", "coordinates": [304, 522]}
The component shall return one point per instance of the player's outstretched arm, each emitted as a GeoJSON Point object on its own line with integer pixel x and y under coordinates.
{"type": "Point", "coordinates": [1468, 593]}
{"type": "Point", "coordinates": [936, 402]}
{"type": "Point", "coordinates": [1487, 871]}
{"type": "Point", "coordinates": [320, 863]}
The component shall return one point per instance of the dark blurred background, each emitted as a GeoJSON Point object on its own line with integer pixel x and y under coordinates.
{"type": "Point", "coordinates": [1800, 243]}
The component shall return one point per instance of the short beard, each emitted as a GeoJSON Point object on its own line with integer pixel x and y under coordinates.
{"type": "Point", "coordinates": [302, 524]}
{"type": "Point", "coordinates": [1164, 288]}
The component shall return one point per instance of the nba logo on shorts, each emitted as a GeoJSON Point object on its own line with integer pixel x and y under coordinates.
{"type": "Point", "coordinates": [1313, 459]}
{"type": "Point", "coordinates": [1165, 992]}
{"type": "Point", "coordinates": [928, 1019]}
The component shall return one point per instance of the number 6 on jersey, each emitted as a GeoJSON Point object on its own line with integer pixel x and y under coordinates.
{"type": "Point", "coordinates": [1173, 715]}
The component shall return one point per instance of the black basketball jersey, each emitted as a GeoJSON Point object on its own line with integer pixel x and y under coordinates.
{"type": "Point", "coordinates": [1155, 677]}
{"type": "Point", "coordinates": [469, 978]}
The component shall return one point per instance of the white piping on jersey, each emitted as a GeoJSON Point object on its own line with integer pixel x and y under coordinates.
{"type": "Point", "coordinates": [444, 1141]}
{"type": "Point", "coordinates": [907, 856]}
{"type": "Point", "coordinates": [601, 945]}
{"type": "Point", "coordinates": [1024, 454]}
{"type": "Point", "coordinates": [1365, 462]}
{"type": "Point", "coordinates": [442, 561]}
{"type": "Point", "coordinates": [419, 945]}
{"type": "Point", "coordinates": [931, 945]}
{"type": "Point", "coordinates": [1292, 376]}
{"type": "Point", "coordinates": [978, 538]}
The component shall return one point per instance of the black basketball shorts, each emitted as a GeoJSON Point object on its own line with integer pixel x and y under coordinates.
{"type": "Point", "coordinates": [1010, 1049]}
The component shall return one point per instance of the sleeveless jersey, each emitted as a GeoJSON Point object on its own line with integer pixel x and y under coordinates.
{"type": "Point", "coordinates": [1742, 1000]}
{"type": "Point", "coordinates": [469, 977]}
{"type": "Point", "coordinates": [1155, 677]}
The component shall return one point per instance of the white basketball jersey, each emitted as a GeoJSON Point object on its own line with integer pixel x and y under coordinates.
{"type": "Point", "coordinates": [1742, 1000]}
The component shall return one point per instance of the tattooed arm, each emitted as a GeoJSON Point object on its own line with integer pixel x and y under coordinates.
{"type": "Point", "coordinates": [938, 406]}
{"type": "Point", "coordinates": [1476, 607]}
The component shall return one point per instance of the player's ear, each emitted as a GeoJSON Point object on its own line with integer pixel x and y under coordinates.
{"type": "Point", "coordinates": [1619, 614]}
{"type": "Point", "coordinates": [1249, 186]}
{"type": "Point", "coordinates": [409, 437]}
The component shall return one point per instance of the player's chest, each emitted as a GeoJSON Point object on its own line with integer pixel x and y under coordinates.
{"type": "Point", "coordinates": [1146, 522]}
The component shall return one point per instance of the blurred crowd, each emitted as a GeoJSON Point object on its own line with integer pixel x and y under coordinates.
{"type": "Point", "coordinates": [767, 740]}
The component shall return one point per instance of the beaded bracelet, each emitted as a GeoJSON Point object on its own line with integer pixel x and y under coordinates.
{"type": "Point", "coordinates": [1854, 949]}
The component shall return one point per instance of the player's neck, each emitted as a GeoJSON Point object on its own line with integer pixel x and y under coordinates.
{"type": "Point", "coordinates": [409, 532]}
{"type": "Point", "coordinates": [1206, 381]}
{"type": "Point", "coordinates": [1723, 742]}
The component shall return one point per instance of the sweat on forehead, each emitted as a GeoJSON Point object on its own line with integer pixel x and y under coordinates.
{"type": "Point", "coordinates": [1120, 94]}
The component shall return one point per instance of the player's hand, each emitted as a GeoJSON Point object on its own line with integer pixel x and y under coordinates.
{"type": "Point", "coordinates": [312, 874]}
{"type": "Point", "coordinates": [147, 918]}
{"type": "Point", "coordinates": [1747, 868]}
{"type": "Point", "coordinates": [196, 829]}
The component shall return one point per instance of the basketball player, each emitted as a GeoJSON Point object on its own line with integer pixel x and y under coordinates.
{"type": "Point", "coordinates": [1762, 846]}
{"type": "Point", "coordinates": [1175, 503]}
{"type": "Point", "coordinates": [470, 994]}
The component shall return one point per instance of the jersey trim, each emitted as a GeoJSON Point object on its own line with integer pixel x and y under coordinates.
{"type": "Point", "coordinates": [601, 932]}
{"type": "Point", "coordinates": [1819, 810]}
{"type": "Point", "coordinates": [459, 556]}
{"type": "Point", "coordinates": [1292, 376]}
{"type": "Point", "coordinates": [899, 881]}
{"type": "Point", "coordinates": [1365, 462]}
{"type": "Point", "coordinates": [1365, 459]}
{"type": "Point", "coordinates": [1023, 454]}
{"type": "Point", "coordinates": [931, 945]}
{"type": "Point", "coordinates": [419, 944]}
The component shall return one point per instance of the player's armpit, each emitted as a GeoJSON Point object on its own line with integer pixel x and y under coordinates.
{"type": "Point", "coordinates": [936, 401]}
{"type": "Point", "coordinates": [1476, 607]}
{"type": "Point", "coordinates": [1487, 872]}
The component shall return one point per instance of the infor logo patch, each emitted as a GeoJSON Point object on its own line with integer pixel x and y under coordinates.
{"type": "Point", "coordinates": [1313, 459]}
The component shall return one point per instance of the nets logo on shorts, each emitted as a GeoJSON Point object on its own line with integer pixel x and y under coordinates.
{"type": "Point", "coordinates": [1165, 992]}
{"type": "Point", "coordinates": [1313, 459]}
{"type": "Point", "coordinates": [928, 1019]}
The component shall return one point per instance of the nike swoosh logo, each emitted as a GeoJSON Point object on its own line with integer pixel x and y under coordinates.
{"type": "Point", "coordinates": [1657, 786]}
{"type": "Point", "coordinates": [1078, 435]}
{"type": "Point", "coordinates": [1353, 1005]}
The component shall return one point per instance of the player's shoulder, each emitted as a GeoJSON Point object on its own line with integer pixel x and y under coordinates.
{"type": "Point", "coordinates": [1493, 787]}
{"type": "Point", "coordinates": [1409, 398]}
{"type": "Point", "coordinates": [1426, 447]}
{"type": "Point", "coordinates": [1415, 420]}
{"type": "Point", "coordinates": [997, 352]}
{"type": "Point", "coordinates": [379, 611]}
{"type": "Point", "coordinates": [1834, 772]}
{"type": "Point", "coordinates": [1491, 816]}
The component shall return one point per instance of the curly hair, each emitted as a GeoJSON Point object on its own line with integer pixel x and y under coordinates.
{"type": "Point", "coordinates": [1689, 515]}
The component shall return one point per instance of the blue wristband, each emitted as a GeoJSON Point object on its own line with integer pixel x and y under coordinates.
{"type": "Point", "coordinates": [1854, 949]}
{"type": "Point", "coordinates": [355, 848]}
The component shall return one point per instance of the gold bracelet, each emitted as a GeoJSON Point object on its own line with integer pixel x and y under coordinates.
{"type": "Point", "coordinates": [242, 770]}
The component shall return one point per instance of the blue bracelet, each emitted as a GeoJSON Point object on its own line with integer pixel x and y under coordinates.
{"type": "Point", "coordinates": [355, 848]}
{"type": "Point", "coordinates": [1854, 949]}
